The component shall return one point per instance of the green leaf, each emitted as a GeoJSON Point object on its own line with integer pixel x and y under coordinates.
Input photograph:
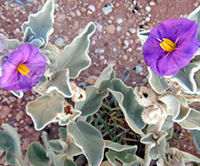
{"type": "Point", "coordinates": [116, 146]}
{"type": "Point", "coordinates": [61, 160]}
{"type": "Point", "coordinates": [128, 104]}
{"type": "Point", "coordinates": [196, 139]}
{"type": "Point", "coordinates": [185, 77]}
{"type": "Point", "coordinates": [125, 156]}
{"type": "Point", "coordinates": [75, 56]}
{"type": "Point", "coordinates": [195, 15]}
{"type": "Point", "coordinates": [10, 143]}
{"type": "Point", "coordinates": [93, 101]}
{"type": "Point", "coordinates": [36, 155]}
{"type": "Point", "coordinates": [13, 44]}
{"type": "Point", "coordinates": [178, 105]}
{"type": "Point", "coordinates": [45, 109]}
{"type": "Point", "coordinates": [192, 122]}
{"type": "Point", "coordinates": [58, 146]}
{"type": "Point", "coordinates": [157, 83]}
{"type": "Point", "coordinates": [143, 35]}
{"type": "Point", "coordinates": [40, 25]}
{"type": "Point", "coordinates": [60, 82]}
{"type": "Point", "coordinates": [89, 139]}
{"type": "Point", "coordinates": [62, 133]}
{"type": "Point", "coordinates": [104, 80]}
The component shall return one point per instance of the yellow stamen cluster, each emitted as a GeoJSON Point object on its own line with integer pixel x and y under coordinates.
{"type": "Point", "coordinates": [23, 69]}
{"type": "Point", "coordinates": [168, 45]}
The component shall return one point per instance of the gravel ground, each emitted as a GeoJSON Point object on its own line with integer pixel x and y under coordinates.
{"type": "Point", "coordinates": [115, 41]}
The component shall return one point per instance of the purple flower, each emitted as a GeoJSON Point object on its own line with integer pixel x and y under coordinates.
{"type": "Point", "coordinates": [23, 69]}
{"type": "Point", "coordinates": [171, 45]}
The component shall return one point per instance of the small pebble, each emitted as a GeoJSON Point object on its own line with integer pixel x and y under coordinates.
{"type": "Point", "coordinates": [107, 9]}
{"type": "Point", "coordinates": [148, 8]}
{"type": "Point", "coordinates": [119, 28]}
{"type": "Point", "coordinates": [59, 42]}
{"type": "Point", "coordinates": [92, 8]}
{"type": "Point", "coordinates": [138, 69]}
{"type": "Point", "coordinates": [110, 29]}
{"type": "Point", "coordinates": [119, 20]}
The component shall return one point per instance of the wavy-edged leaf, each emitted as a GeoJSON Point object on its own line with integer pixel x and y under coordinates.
{"type": "Point", "coordinates": [62, 133]}
{"type": "Point", "coordinates": [17, 94]}
{"type": "Point", "coordinates": [185, 77]}
{"type": "Point", "coordinates": [45, 109]}
{"type": "Point", "coordinates": [13, 44]}
{"type": "Point", "coordinates": [158, 84]}
{"type": "Point", "coordinates": [195, 15]}
{"type": "Point", "coordinates": [178, 105]}
{"type": "Point", "coordinates": [75, 56]}
{"type": "Point", "coordinates": [196, 139]}
{"type": "Point", "coordinates": [93, 101]}
{"type": "Point", "coordinates": [128, 104]}
{"type": "Point", "coordinates": [58, 146]}
{"type": "Point", "coordinates": [116, 146]}
{"type": "Point", "coordinates": [60, 82]}
{"type": "Point", "coordinates": [40, 24]}
{"type": "Point", "coordinates": [143, 35]}
{"type": "Point", "coordinates": [61, 160]}
{"type": "Point", "coordinates": [104, 80]}
{"type": "Point", "coordinates": [89, 139]}
{"type": "Point", "coordinates": [10, 143]}
{"type": "Point", "coordinates": [125, 156]}
{"type": "Point", "coordinates": [36, 155]}
{"type": "Point", "coordinates": [192, 122]}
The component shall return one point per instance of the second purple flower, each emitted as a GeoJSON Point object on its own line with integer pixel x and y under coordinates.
{"type": "Point", "coordinates": [171, 46]}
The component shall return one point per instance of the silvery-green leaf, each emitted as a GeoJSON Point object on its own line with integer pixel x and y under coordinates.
{"type": "Point", "coordinates": [128, 104]}
{"type": "Point", "coordinates": [40, 23]}
{"type": "Point", "coordinates": [126, 156]}
{"type": "Point", "coordinates": [58, 146]}
{"type": "Point", "coordinates": [116, 146]}
{"type": "Point", "coordinates": [198, 52]}
{"type": "Point", "coordinates": [10, 143]}
{"type": "Point", "coordinates": [39, 42]}
{"type": "Point", "coordinates": [62, 133]}
{"type": "Point", "coordinates": [93, 101]}
{"type": "Point", "coordinates": [60, 82]}
{"type": "Point", "coordinates": [178, 105]}
{"type": "Point", "coordinates": [158, 84]}
{"type": "Point", "coordinates": [17, 94]}
{"type": "Point", "coordinates": [3, 44]}
{"type": "Point", "coordinates": [135, 163]}
{"type": "Point", "coordinates": [75, 56]}
{"type": "Point", "coordinates": [192, 122]}
{"type": "Point", "coordinates": [45, 109]}
{"type": "Point", "coordinates": [89, 139]}
{"type": "Point", "coordinates": [36, 155]}
{"type": "Point", "coordinates": [13, 44]}
{"type": "Point", "coordinates": [104, 80]}
{"type": "Point", "coordinates": [158, 151]}
{"type": "Point", "coordinates": [41, 85]}
{"type": "Point", "coordinates": [187, 157]}
{"type": "Point", "coordinates": [61, 160]}
{"type": "Point", "coordinates": [185, 77]}
{"type": "Point", "coordinates": [195, 15]}
{"type": "Point", "coordinates": [143, 35]}
{"type": "Point", "coordinates": [196, 139]}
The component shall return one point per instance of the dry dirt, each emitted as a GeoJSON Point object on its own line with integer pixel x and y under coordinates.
{"type": "Point", "coordinates": [115, 41]}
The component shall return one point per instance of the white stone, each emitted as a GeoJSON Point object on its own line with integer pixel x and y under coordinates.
{"type": "Point", "coordinates": [107, 9]}
{"type": "Point", "coordinates": [119, 20]}
{"type": "Point", "coordinates": [119, 28]}
{"type": "Point", "coordinates": [92, 8]}
{"type": "Point", "coordinates": [132, 30]}
{"type": "Point", "coordinates": [148, 8]}
{"type": "Point", "coordinates": [138, 69]}
{"type": "Point", "coordinates": [59, 42]}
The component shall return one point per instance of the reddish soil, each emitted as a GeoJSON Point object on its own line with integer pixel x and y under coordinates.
{"type": "Point", "coordinates": [115, 41]}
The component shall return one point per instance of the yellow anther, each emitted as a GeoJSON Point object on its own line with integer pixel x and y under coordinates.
{"type": "Point", "coordinates": [23, 69]}
{"type": "Point", "coordinates": [168, 45]}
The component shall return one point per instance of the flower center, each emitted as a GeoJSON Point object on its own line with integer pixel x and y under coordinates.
{"type": "Point", "coordinates": [168, 45]}
{"type": "Point", "coordinates": [23, 69]}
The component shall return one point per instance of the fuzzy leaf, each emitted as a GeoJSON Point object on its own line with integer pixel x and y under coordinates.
{"type": "Point", "coordinates": [185, 77]}
{"type": "Point", "coordinates": [93, 101]}
{"type": "Point", "coordinates": [17, 94]}
{"type": "Point", "coordinates": [192, 122]}
{"type": "Point", "coordinates": [157, 83]}
{"type": "Point", "coordinates": [89, 139]}
{"type": "Point", "coordinates": [128, 104]}
{"type": "Point", "coordinates": [135, 163]}
{"type": "Point", "coordinates": [104, 80]}
{"type": "Point", "coordinates": [116, 146]}
{"type": "Point", "coordinates": [75, 56]}
{"type": "Point", "coordinates": [196, 139]}
{"type": "Point", "coordinates": [58, 146]}
{"type": "Point", "coordinates": [13, 44]}
{"type": "Point", "coordinates": [10, 143]}
{"type": "Point", "coordinates": [143, 35]}
{"type": "Point", "coordinates": [178, 105]}
{"type": "Point", "coordinates": [41, 23]}
{"type": "Point", "coordinates": [195, 15]}
{"type": "Point", "coordinates": [37, 155]}
{"type": "Point", "coordinates": [126, 156]}
{"type": "Point", "coordinates": [61, 160]}
{"type": "Point", "coordinates": [60, 82]}
{"type": "Point", "coordinates": [45, 109]}
{"type": "Point", "coordinates": [62, 133]}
